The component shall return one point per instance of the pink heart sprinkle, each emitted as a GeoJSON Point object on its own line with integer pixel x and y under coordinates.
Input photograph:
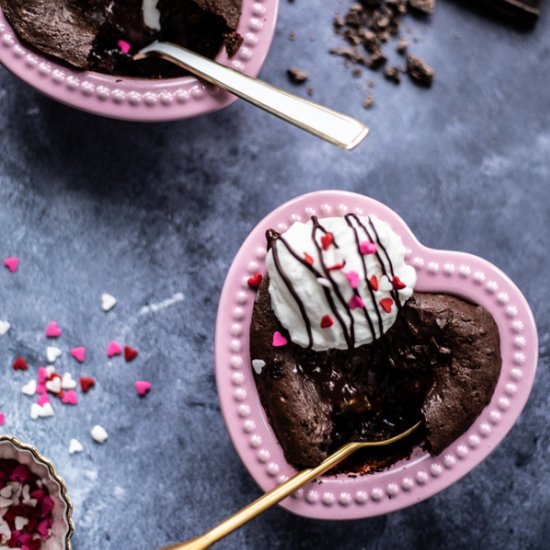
{"type": "Point", "coordinates": [43, 399]}
{"type": "Point", "coordinates": [70, 398]}
{"type": "Point", "coordinates": [353, 279]}
{"type": "Point", "coordinates": [279, 340]}
{"type": "Point", "coordinates": [356, 302]}
{"type": "Point", "coordinates": [124, 46]}
{"type": "Point", "coordinates": [2, 419]}
{"type": "Point", "coordinates": [367, 247]}
{"type": "Point", "coordinates": [12, 263]}
{"type": "Point", "coordinates": [114, 349]}
{"type": "Point", "coordinates": [41, 388]}
{"type": "Point", "coordinates": [42, 375]}
{"type": "Point", "coordinates": [79, 354]}
{"type": "Point", "coordinates": [53, 330]}
{"type": "Point", "coordinates": [143, 387]}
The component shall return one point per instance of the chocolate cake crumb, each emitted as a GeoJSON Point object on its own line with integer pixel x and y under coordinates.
{"type": "Point", "coordinates": [292, 36]}
{"type": "Point", "coordinates": [402, 46]}
{"type": "Point", "coordinates": [368, 102]}
{"type": "Point", "coordinates": [393, 74]}
{"type": "Point", "coordinates": [310, 91]}
{"type": "Point", "coordinates": [356, 73]}
{"type": "Point", "coordinates": [419, 72]}
{"type": "Point", "coordinates": [425, 6]}
{"type": "Point", "coordinates": [233, 41]}
{"type": "Point", "coordinates": [296, 75]}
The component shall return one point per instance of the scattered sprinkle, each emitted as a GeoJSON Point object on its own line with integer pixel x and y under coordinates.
{"type": "Point", "coordinates": [52, 353]}
{"type": "Point", "coordinates": [12, 263]}
{"type": "Point", "coordinates": [337, 266]}
{"type": "Point", "coordinates": [353, 278]}
{"type": "Point", "coordinates": [86, 383]}
{"type": "Point", "coordinates": [308, 258]}
{"type": "Point", "coordinates": [43, 399]}
{"type": "Point", "coordinates": [124, 46]}
{"type": "Point", "coordinates": [113, 349]}
{"type": "Point", "coordinates": [373, 282]}
{"type": "Point", "coordinates": [366, 247]}
{"type": "Point", "coordinates": [279, 340]}
{"type": "Point", "coordinates": [143, 387]}
{"type": "Point", "coordinates": [4, 327]}
{"type": "Point", "coordinates": [75, 446]}
{"type": "Point", "coordinates": [326, 321]}
{"type": "Point", "coordinates": [108, 302]}
{"type": "Point", "coordinates": [79, 353]}
{"type": "Point", "coordinates": [41, 411]}
{"type": "Point", "coordinates": [53, 330]}
{"type": "Point", "coordinates": [54, 385]}
{"type": "Point", "coordinates": [356, 302]}
{"type": "Point", "coordinates": [20, 364]}
{"type": "Point", "coordinates": [70, 398]}
{"type": "Point", "coordinates": [255, 281]}
{"type": "Point", "coordinates": [2, 419]}
{"type": "Point", "coordinates": [326, 240]}
{"type": "Point", "coordinates": [67, 382]}
{"type": "Point", "coordinates": [258, 365]}
{"type": "Point", "coordinates": [398, 284]}
{"type": "Point", "coordinates": [99, 434]}
{"type": "Point", "coordinates": [130, 353]}
{"type": "Point", "coordinates": [29, 388]}
{"type": "Point", "coordinates": [386, 304]}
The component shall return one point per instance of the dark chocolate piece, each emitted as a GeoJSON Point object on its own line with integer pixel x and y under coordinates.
{"type": "Point", "coordinates": [297, 76]}
{"type": "Point", "coordinates": [419, 72]}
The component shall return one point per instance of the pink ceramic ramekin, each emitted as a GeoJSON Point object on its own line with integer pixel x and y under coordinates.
{"type": "Point", "coordinates": [422, 475]}
{"type": "Point", "coordinates": [139, 99]}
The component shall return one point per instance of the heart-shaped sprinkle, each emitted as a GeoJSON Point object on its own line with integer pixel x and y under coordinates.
{"type": "Point", "coordinates": [258, 365]}
{"type": "Point", "coordinates": [386, 304]}
{"type": "Point", "coordinates": [7, 491]}
{"type": "Point", "coordinates": [52, 353]}
{"type": "Point", "coordinates": [398, 284]}
{"type": "Point", "coordinates": [20, 364]}
{"type": "Point", "coordinates": [108, 302]}
{"type": "Point", "coordinates": [130, 353]}
{"type": "Point", "coordinates": [2, 419]}
{"type": "Point", "coordinates": [324, 282]}
{"type": "Point", "coordinates": [70, 398]}
{"type": "Point", "coordinates": [54, 385]}
{"type": "Point", "coordinates": [53, 330]}
{"type": "Point", "coordinates": [43, 399]}
{"type": "Point", "coordinates": [326, 240]}
{"type": "Point", "coordinates": [4, 327]}
{"type": "Point", "coordinates": [41, 411]}
{"type": "Point", "coordinates": [67, 382]}
{"type": "Point", "coordinates": [366, 247]}
{"type": "Point", "coordinates": [20, 522]}
{"type": "Point", "coordinates": [86, 383]}
{"type": "Point", "coordinates": [124, 46]}
{"type": "Point", "coordinates": [279, 340]}
{"type": "Point", "coordinates": [75, 446]}
{"type": "Point", "coordinates": [143, 387]}
{"type": "Point", "coordinates": [353, 279]}
{"type": "Point", "coordinates": [99, 434]}
{"type": "Point", "coordinates": [79, 353]}
{"type": "Point", "coordinates": [42, 375]}
{"type": "Point", "coordinates": [113, 349]}
{"type": "Point", "coordinates": [374, 282]}
{"type": "Point", "coordinates": [29, 388]}
{"type": "Point", "coordinates": [255, 281]}
{"type": "Point", "coordinates": [309, 259]}
{"type": "Point", "coordinates": [12, 263]}
{"type": "Point", "coordinates": [336, 267]}
{"type": "Point", "coordinates": [326, 321]}
{"type": "Point", "coordinates": [356, 302]}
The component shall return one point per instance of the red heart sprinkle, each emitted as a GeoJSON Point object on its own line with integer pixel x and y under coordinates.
{"type": "Point", "coordinates": [308, 258]}
{"type": "Point", "coordinates": [335, 267]}
{"type": "Point", "coordinates": [398, 284]}
{"type": "Point", "coordinates": [326, 240]}
{"type": "Point", "coordinates": [255, 281]}
{"type": "Point", "coordinates": [20, 364]}
{"type": "Point", "coordinates": [326, 321]}
{"type": "Point", "coordinates": [386, 304]}
{"type": "Point", "coordinates": [86, 383]}
{"type": "Point", "coordinates": [130, 353]}
{"type": "Point", "coordinates": [374, 282]}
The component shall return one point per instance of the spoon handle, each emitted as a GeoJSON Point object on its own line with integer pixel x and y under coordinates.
{"type": "Point", "coordinates": [320, 121]}
{"type": "Point", "coordinates": [265, 501]}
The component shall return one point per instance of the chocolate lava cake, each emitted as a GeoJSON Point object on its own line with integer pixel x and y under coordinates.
{"type": "Point", "coordinates": [439, 362]}
{"type": "Point", "coordinates": [102, 35]}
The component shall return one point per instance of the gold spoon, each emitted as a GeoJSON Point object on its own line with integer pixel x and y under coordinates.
{"type": "Point", "coordinates": [334, 127]}
{"type": "Point", "coordinates": [280, 492]}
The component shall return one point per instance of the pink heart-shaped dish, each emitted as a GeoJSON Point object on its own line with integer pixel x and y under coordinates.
{"type": "Point", "coordinates": [421, 475]}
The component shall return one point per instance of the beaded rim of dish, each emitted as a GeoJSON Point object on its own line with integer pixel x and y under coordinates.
{"type": "Point", "coordinates": [436, 467]}
{"type": "Point", "coordinates": [105, 91]}
{"type": "Point", "coordinates": [40, 459]}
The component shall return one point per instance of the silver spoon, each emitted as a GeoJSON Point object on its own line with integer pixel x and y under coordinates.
{"type": "Point", "coordinates": [320, 121]}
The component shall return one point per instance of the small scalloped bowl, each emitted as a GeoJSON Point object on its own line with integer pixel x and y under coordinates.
{"type": "Point", "coordinates": [422, 475]}
{"type": "Point", "coordinates": [62, 528]}
{"type": "Point", "coordinates": [135, 99]}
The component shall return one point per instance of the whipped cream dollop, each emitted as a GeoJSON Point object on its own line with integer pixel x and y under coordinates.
{"type": "Point", "coordinates": [151, 14]}
{"type": "Point", "coordinates": [338, 283]}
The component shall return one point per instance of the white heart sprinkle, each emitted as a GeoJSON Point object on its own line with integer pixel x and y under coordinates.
{"type": "Point", "coordinates": [108, 302]}
{"type": "Point", "coordinates": [29, 388]}
{"type": "Point", "coordinates": [6, 492]}
{"type": "Point", "coordinates": [258, 365]}
{"type": "Point", "coordinates": [50, 370]}
{"type": "Point", "coordinates": [75, 446]}
{"type": "Point", "coordinates": [5, 502]}
{"type": "Point", "coordinates": [99, 434]}
{"type": "Point", "coordinates": [47, 410]}
{"type": "Point", "coordinates": [52, 353]}
{"type": "Point", "coordinates": [4, 327]}
{"type": "Point", "coordinates": [20, 522]}
{"type": "Point", "coordinates": [36, 409]}
{"type": "Point", "coordinates": [68, 383]}
{"type": "Point", "coordinates": [54, 385]}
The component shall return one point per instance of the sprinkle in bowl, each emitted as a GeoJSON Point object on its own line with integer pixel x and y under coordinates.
{"type": "Point", "coordinates": [135, 99]}
{"type": "Point", "coordinates": [422, 474]}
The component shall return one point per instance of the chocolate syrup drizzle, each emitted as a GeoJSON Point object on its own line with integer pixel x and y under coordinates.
{"type": "Point", "coordinates": [274, 238]}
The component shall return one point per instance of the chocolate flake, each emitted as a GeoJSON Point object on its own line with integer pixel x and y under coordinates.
{"type": "Point", "coordinates": [419, 72]}
{"type": "Point", "coordinates": [296, 75]}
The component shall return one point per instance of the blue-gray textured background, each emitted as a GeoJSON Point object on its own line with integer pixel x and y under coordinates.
{"type": "Point", "coordinates": [148, 211]}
